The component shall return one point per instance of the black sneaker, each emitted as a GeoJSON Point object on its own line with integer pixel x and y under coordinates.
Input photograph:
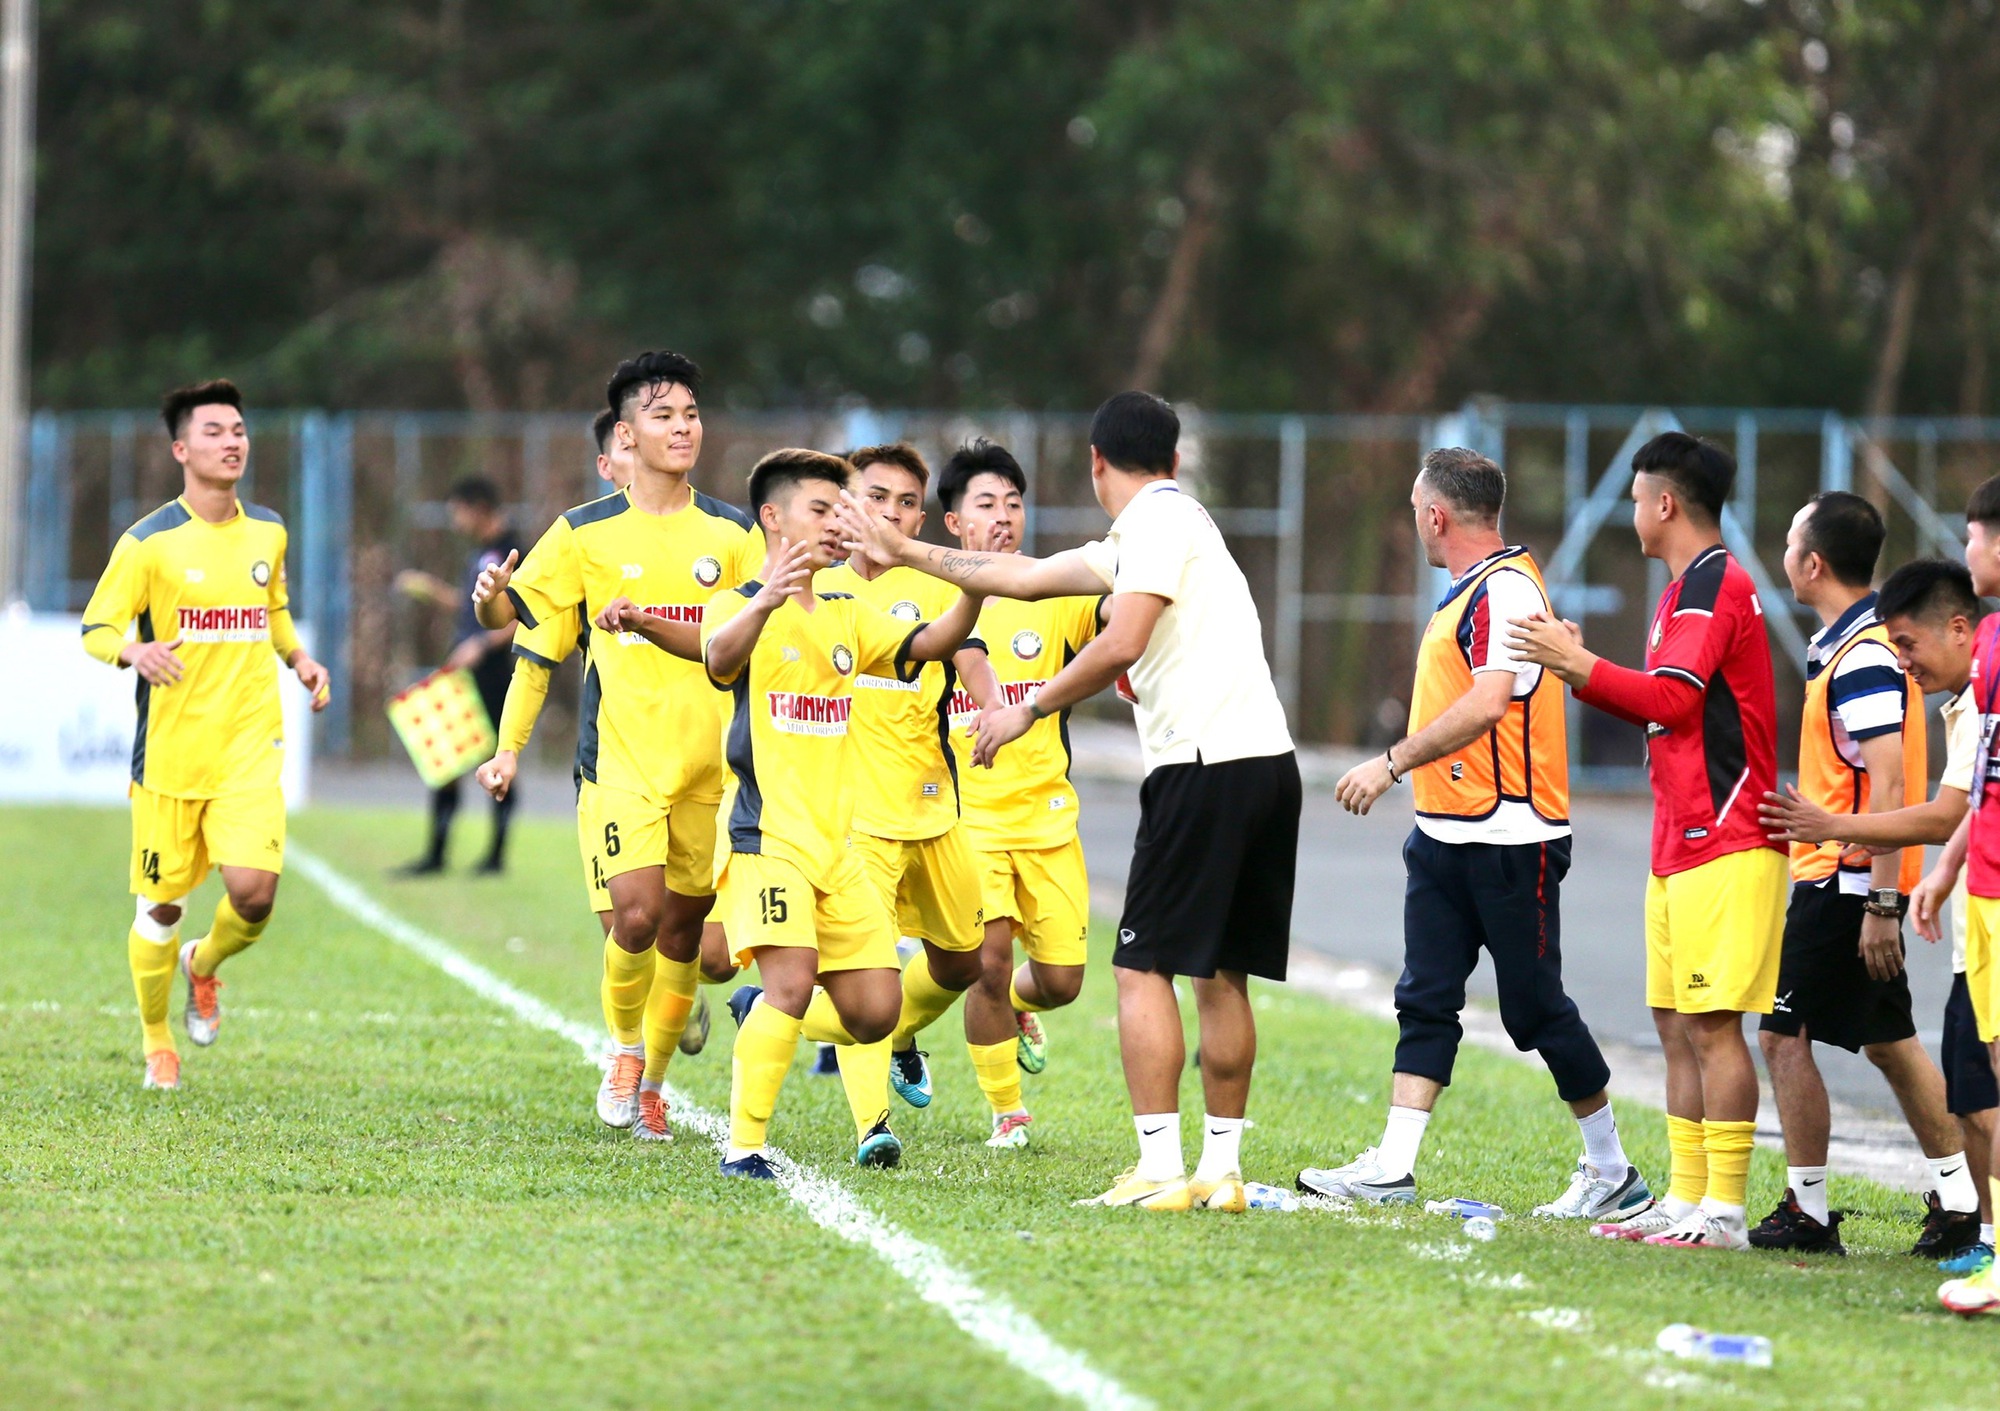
{"type": "Point", "coordinates": [1790, 1228]}
{"type": "Point", "coordinates": [740, 1000]}
{"type": "Point", "coordinates": [1947, 1233]}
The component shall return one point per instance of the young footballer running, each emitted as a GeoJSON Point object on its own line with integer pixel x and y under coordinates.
{"type": "Point", "coordinates": [204, 579]}
{"type": "Point", "coordinates": [1715, 902]}
{"type": "Point", "coordinates": [537, 653]}
{"type": "Point", "coordinates": [906, 801]}
{"type": "Point", "coordinates": [1020, 810]}
{"type": "Point", "coordinates": [1842, 979]}
{"type": "Point", "coordinates": [649, 756]}
{"type": "Point", "coordinates": [794, 896]}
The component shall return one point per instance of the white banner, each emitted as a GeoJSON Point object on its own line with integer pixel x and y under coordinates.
{"type": "Point", "coordinates": [66, 719]}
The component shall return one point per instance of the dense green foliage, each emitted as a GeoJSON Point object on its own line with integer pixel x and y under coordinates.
{"type": "Point", "coordinates": [1324, 204]}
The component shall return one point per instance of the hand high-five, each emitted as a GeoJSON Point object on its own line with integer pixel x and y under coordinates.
{"type": "Point", "coordinates": [787, 573]}
{"type": "Point", "coordinates": [864, 532]}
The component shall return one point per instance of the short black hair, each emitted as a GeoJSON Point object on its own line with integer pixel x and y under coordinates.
{"type": "Point", "coordinates": [648, 372]}
{"type": "Point", "coordinates": [1137, 431]}
{"type": "Point", "coordinates": [178, 405]}
{"type": "Point", "coordinates": [600, 430]}
{"type": "Point", "coordinates": [978, 457]}
{"type": "Point", "coordinates": [1467, 481]}
{"type": "Point", "coordinates": [900, 454]}
{"type": "Point", "coordinates": [474, 490]}
{"type": "Point", "coordinates": [1933, 589]}
{"type": "Point", "coordinates": [1984, 506]}
{"type": "Point", "coordinates": [1847, 532]}
{"type": "Point", "coordinates": [777, 473]}
{"type": "Point", "coordinates": [1700, 472]}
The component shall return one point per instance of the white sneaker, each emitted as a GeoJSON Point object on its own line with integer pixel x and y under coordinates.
{"type": "Point", "coordinates": [618, 1094]}
{"type": "Point", "coordinates": [1648, 1220]}
{"type": "Point", "coordinates": [1594, 1196]}
{"type": "Point", "coordinates": [203, 1013]}
{"type": "Point", "coordinates": [1361, 1179]}
{"type": "Point", "coordinates": [1704, 1230]}
{"type": "Point", "coordinates": [1010, 1131]}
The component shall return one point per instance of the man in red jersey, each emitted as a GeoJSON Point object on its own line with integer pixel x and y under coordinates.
{"type": "Point", "coordinates": [1715, 904]}
{"type": "Point", "coordinates": [1975, 847]}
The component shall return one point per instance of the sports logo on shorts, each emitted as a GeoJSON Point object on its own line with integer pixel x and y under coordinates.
{"type": "Point", "coordinates": [843, 659]}
{"type": "Point", "coordinates": [260, 573]}
{"type": "Point", "coordinates": [1125, 938]}
{"type": "Point", "coordinates": [1027, 644]}
{"type": "Point", "coordinates": [908, 611]}
{"type": "Point", "coordinates": [707, 571]}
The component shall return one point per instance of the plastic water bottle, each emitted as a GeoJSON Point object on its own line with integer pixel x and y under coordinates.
{"type": "Point", "coordinates": [1481, 1228]}
{"type": "Point", "coordinates": [1686, 1340]}
{"type": "Point", "coordinates": [1262, 1197]}
{"type": "Point", "coordinates": [1465, 1209]}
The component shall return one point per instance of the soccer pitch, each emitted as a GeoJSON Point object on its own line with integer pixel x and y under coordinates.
{"type": "Point", "coordinates": [381, 1188]}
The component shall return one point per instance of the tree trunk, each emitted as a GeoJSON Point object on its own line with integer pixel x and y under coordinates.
{"type": "Point", "coordinates": [1164, 325]}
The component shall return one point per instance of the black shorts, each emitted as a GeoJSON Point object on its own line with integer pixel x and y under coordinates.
{"type": "Point", "coordinates": [1824, 987]}
{"type": "Point", "coordinates": [1212, 869]}
{"type": "Point", "coordinates": [1968, 1064]}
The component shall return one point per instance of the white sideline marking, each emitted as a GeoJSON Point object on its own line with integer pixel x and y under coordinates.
{"type": "Point", "coordinates": [988, 1319]}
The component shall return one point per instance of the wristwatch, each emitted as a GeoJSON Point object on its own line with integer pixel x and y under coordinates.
{"type": "Point", "coordinates": [1886, 901]}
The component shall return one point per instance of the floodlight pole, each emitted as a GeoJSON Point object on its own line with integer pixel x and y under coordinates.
{"type": "Point", "coordinates": [17, 228]}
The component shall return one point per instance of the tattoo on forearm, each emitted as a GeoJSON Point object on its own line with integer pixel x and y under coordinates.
{"type": "Point", "coordinates": [960, 566]}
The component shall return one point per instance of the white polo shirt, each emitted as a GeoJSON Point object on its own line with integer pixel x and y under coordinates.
{"type": "Point", "coordinates": [1202, 687]}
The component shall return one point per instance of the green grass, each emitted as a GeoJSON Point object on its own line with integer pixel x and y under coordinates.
{"type": "Point", "coordinates": [377, 1190]}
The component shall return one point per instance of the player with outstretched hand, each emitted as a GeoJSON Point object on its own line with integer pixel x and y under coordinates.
{"type": "Point", "coordinates": [204, 578]}
{"type": "Point", "coordinates": [1716, 900]}
{"type": "Point", "coordinates": [793, 896]}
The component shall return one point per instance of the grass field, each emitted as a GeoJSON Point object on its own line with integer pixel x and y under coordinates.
{"type": "Point", "coordinates": [378, 1189]}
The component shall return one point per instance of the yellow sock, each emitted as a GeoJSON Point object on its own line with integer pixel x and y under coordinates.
{"type": "Point", "coordinates": [1728, 1145]}
{"type": "Point", "coordinates": [152, 978]}
{"type": "Point", "coordinates": [1688, 1173]}
{"type": "Point", "coordinates": [1022, 1006]}
{"type": "Point", "coordinates": [864, 1075]}
{"type": "Point", "coordinates": [763, 1056]}
{"type": "Point", "coordinates": [229, 935]}
{"type": "Point", "coordinates": [822, 1022]}
{"type": "Point", "coordinates": [628, 979]}
{"type": "Point", "coordinates": [924, 1000]}
{"type": "Point", "coordinates": [667, 1010]}
{"type": "Point", "coordinates": [999, 1075]}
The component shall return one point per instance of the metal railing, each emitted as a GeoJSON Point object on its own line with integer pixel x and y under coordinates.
{"type": "Point", "coordinates": [1316, 508]}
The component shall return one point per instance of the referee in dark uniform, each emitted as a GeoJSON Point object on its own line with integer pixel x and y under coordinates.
{"type": "Point", "coordinates": [475, 510]}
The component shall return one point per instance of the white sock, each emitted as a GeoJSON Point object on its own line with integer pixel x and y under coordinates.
{"type": "Point", "coordinates": [1955, 1190]}
{"type": "Point", "coordinates": [637, 1050]}
{"type": "Point", "coordinates": [1732, 1213]}
{"type": "Point", "coordinates": [1159, 1146]}
{"type": "Point", "coordinates": [1601, 1147]}
{"type": "Point", "coordinates": [1986, 1233]}
{"type": "Point", "coordinates": [737, 1153]}
{"type": "Point", "coordinates": [1678, 1209]}
{"type": "Point", "coordinates": [1221, 1148]}
{"type": "Point", "coordinates": [1401, 1136]}
{"type": "Point", "coordinates": [1808, 1185]}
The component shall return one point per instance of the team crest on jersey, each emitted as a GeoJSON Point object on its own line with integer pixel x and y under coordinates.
{"type": "Point", "coordinates": [1027, 644]}
{"type": "Point", "coordinates": [908, 611]}
{"type": "Point", "coordinates": [843, 659]}
{"type": "Point", "coordinates": [260, 573]}
{"type": "Point", "coordinates": [707, 571]}
{"type": "Point", "coordinates": [1655, 642]}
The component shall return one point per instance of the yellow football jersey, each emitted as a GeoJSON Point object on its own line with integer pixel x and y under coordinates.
{"type": "Point", "coordinates": [905, 776]}
{"type": "Point", "coordinates": [1025, 799]}
{"type": "Point", "coordinates": [789, 745]}
{"type": "Point", "coordinates": [219, 589]}
{"type": "Point", "coordinates": [650, 724]}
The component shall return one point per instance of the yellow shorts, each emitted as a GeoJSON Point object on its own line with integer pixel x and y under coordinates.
{"type": "Point", "coordinates": [1714, 934]}
{"type": "Point", "coordinates": [767, 901]}
{"type": "Point", "coordinates": [176, 841]}
{"type": "Point", "coordinates": [1045, 892]}
{"type": "Point", "coordinates": [1982, 965]}
{"type": "Point", "coordinates": [931, 888]}
{"type": "Point", "coordinates": [620, 832]}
